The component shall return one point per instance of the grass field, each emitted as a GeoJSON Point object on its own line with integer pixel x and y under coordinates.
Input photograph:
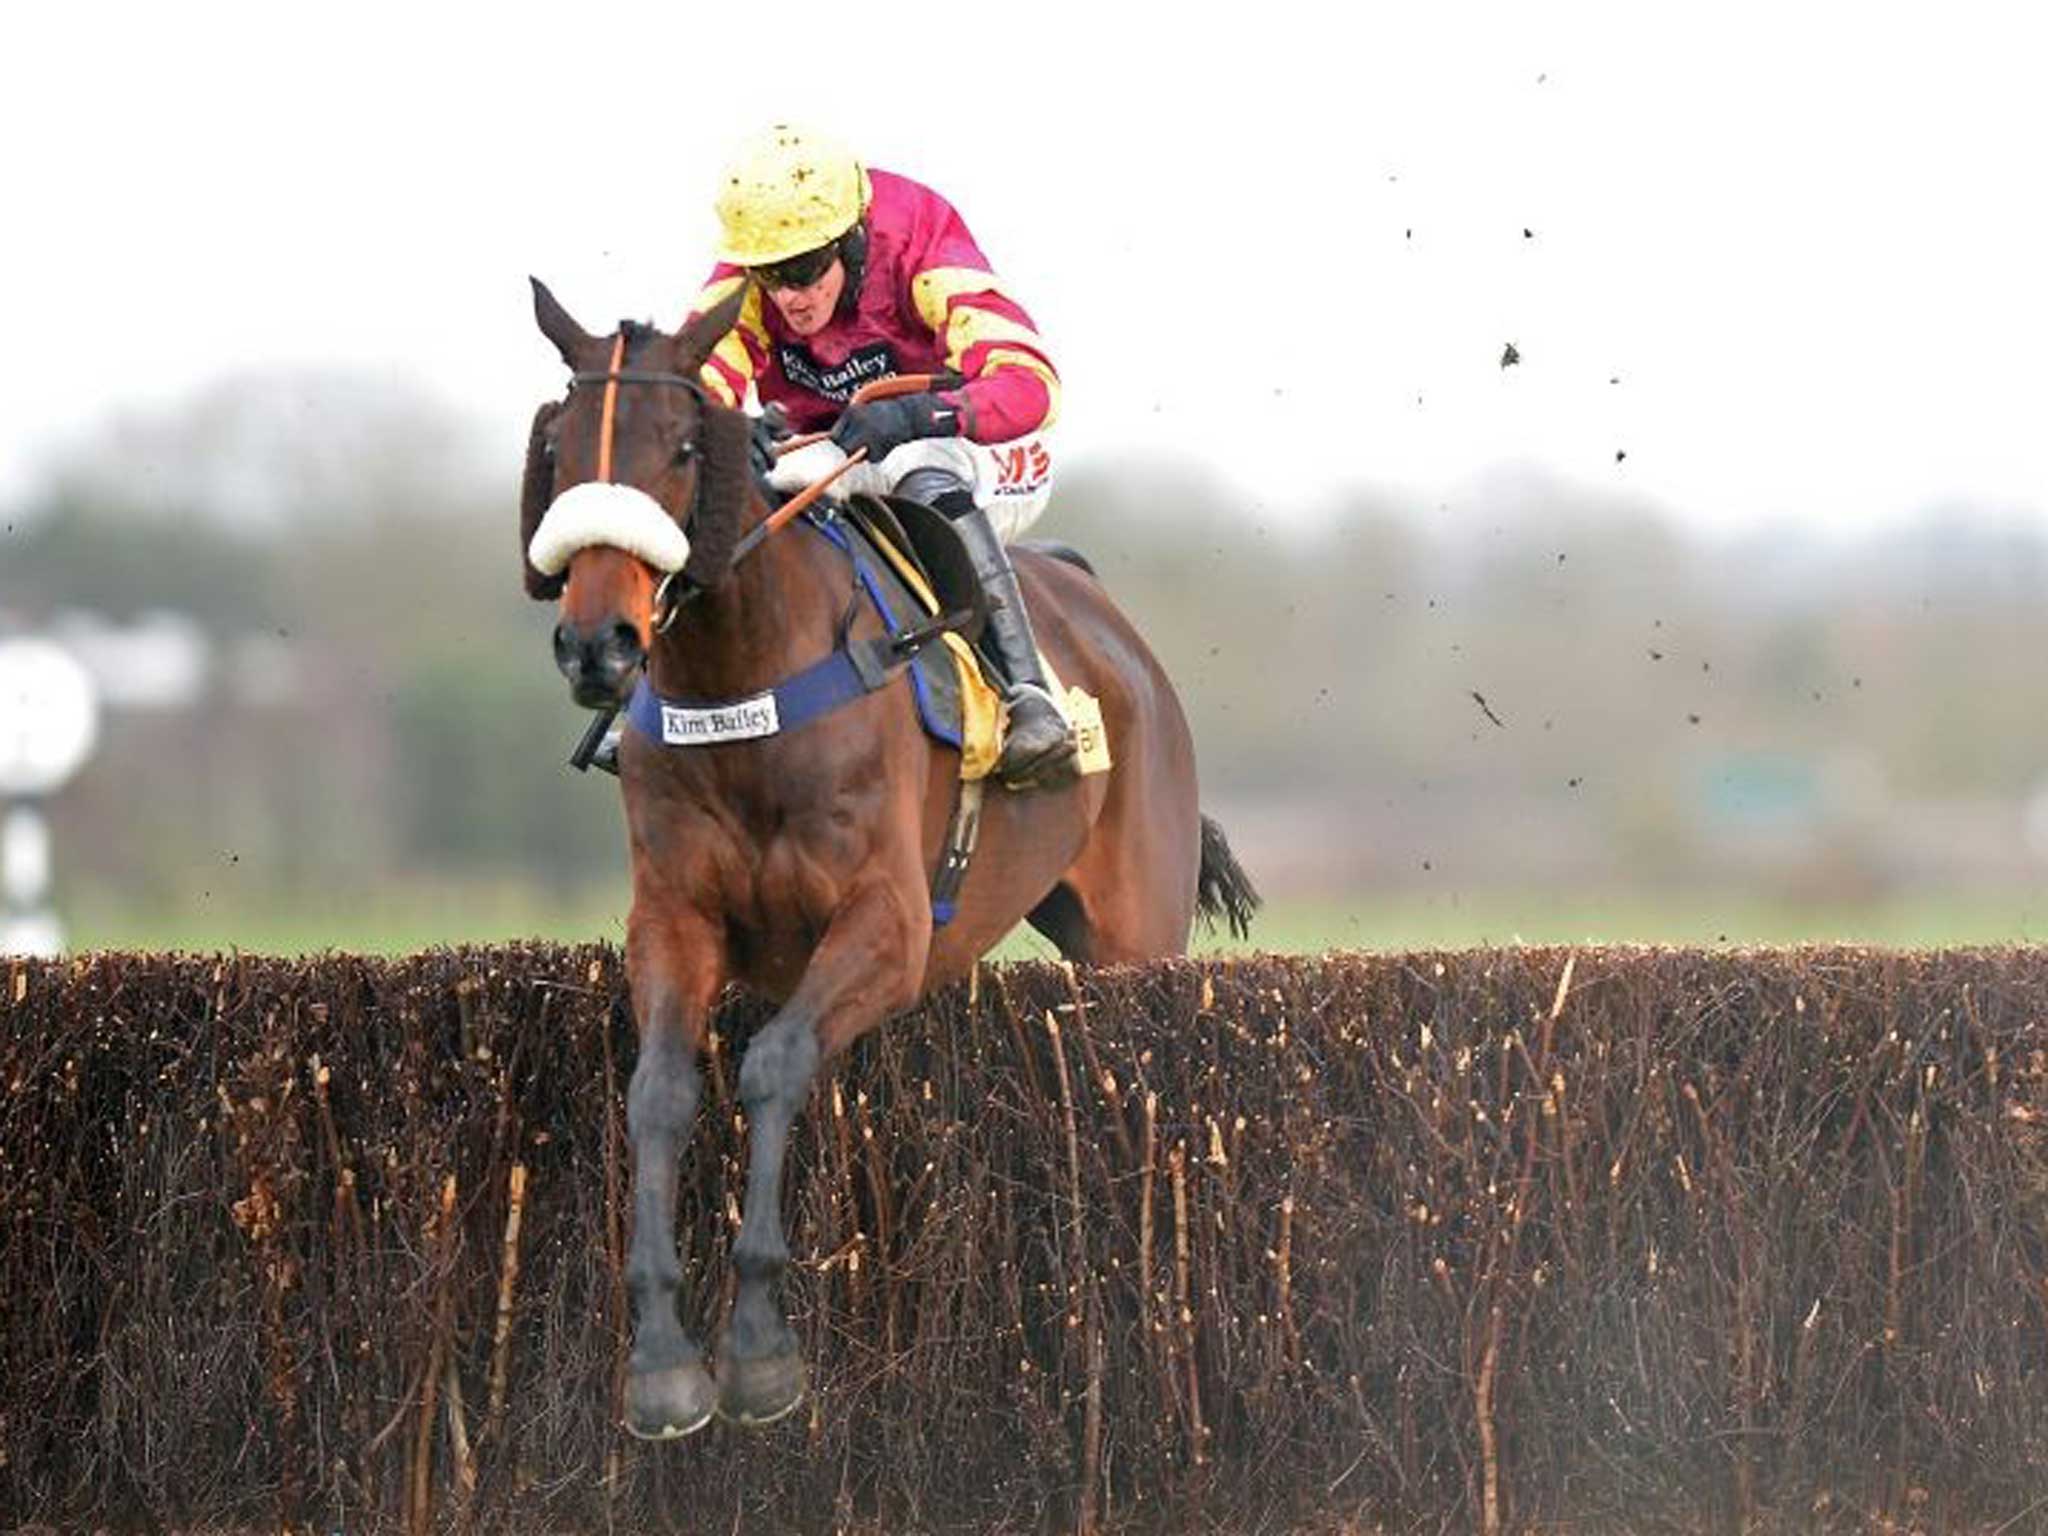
{"type": "Point", "coordinates": [413, 916]}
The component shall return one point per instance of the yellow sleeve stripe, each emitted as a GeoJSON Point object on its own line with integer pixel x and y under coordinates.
{"type": "Point", "coordinates": [1010, 343]}
{"type": "Point", "coordinates": [933, 290]}
{"type": "Point", "coordinates": [713, 378]}
{"type": "Point", "coordinates": [718, 288]}
{"type": "Point", "coordinates": [973, 327]}
{"type": "Point", "coordinates": [730, 382]}
{"type": "Point", "coordinates": [964, 325]}
{"type": "Point", "coordinates": [1010, 357]}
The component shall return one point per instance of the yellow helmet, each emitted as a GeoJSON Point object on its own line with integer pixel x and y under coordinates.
{"type": "Point", "coordinates": [788, 190]}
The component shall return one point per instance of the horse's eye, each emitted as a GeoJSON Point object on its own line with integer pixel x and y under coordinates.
{"type": "Point", "coordinates": [686, 450]}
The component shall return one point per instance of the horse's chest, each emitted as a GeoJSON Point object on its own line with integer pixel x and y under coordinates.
{"type": "Point", "coordinates": [773, 861]}
{"type": "Point", "coordinates": [783, 895]}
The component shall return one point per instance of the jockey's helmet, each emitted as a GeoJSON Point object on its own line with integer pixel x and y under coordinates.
{"type": "Point", "coordinates": [789, 190]}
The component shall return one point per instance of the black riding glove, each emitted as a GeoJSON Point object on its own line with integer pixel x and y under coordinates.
{"type": "Point", "coordinates": [764, 432]}
{"type": "Point", "coordinates": [882, 426]}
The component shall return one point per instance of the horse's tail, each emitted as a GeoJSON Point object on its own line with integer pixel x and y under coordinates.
{"type": "Point", "coordinates": [1222, 889]}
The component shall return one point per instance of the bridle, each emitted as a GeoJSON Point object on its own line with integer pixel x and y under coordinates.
{"type": "Point", "coordinates": [669, 596]}
{"type": "Point", "coordinates": [668, 602]}
{"type": "Point", "coordinates": [669, 599]}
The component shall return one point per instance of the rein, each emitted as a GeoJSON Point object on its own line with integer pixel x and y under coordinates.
{"type": "Point", "coordinates": [878, 389]}
{"type": "Point", "coordinates": [668, 603]}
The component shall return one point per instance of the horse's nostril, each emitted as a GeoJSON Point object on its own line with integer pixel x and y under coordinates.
{"type": "Point", "coordinates": [598, 662]}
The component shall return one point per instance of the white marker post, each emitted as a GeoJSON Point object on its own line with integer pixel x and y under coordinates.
{"type": "Point", "coordinates": [49, 722]}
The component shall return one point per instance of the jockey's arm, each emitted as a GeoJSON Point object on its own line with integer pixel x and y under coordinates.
{"type": "Point", "coordinates": [740, 356]}
{"type": "Point", "coordinates": [1012, 389]}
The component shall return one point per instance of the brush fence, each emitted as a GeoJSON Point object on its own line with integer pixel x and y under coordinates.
{"type": "Point", "coordinates": [1631, 1239]}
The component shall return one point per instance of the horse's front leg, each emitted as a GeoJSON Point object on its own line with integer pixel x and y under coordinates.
{"type": "Point", "coordinates": [674, 970]}
{"type": "Point", "coordinates": [866, 967]}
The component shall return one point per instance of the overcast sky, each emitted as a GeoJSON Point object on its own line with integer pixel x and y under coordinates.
{"type": "Point", "coordinates": [1789, 259]}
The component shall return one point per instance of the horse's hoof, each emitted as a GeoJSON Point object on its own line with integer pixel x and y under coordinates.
{"type": "Point", "coordinates": [757, 1392]}
{"type": "Point", "coordinates": [670, 1403]}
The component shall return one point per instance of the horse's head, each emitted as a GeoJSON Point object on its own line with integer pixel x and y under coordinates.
{"type": "Point", "coordinates": [632, 480]}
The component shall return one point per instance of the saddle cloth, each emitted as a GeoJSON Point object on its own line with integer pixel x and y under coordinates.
{"type": "Point", "coordinates": [955, 703]}
{"type": "Point", "coordinates": [920, 566]}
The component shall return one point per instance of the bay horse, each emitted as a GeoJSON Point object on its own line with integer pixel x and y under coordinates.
{"type": "Point", "coordinates": [800, 864]}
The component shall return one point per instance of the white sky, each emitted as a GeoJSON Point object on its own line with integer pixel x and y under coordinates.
{"type": "Point", "coordinates": [1809, 240]}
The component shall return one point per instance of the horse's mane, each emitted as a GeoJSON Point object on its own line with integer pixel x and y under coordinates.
{"type": "Point", "coordinates": [534, 492]}
{"type": "Point", "coordinates": [722, 438]}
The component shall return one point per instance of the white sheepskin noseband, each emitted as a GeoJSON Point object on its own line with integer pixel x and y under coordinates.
{"type": "Point", "coordinates": [599, 512]}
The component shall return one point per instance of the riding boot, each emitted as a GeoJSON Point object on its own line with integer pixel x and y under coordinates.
{"type": "Point", "coordinates": [1038, 740]}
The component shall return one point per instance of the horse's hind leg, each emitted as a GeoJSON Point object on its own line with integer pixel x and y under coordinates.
{"type": "Point", "coordinates": [1060, 918]}
{"type": "Point", "coordinates": [674, 974]}
{"type": "Point", "coordinates": [1130, 893]}
{"type": "Point", "coordinates": [1097, 922]}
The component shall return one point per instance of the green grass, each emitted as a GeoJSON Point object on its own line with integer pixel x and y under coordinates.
{"type": "Point", "coordinates": [418, 916]}
{"type": "Point", "coordinates": [1706, 918]}
{"type": "Point", "coordinates": [397, 920]}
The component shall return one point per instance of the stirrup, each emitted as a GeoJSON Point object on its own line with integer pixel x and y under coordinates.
{"type": "Point", "coordinates": [1047, 764]}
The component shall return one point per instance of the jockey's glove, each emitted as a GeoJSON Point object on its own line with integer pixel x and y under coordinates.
{"type": "Point", "coordinates": [883, 426]}
{"type": "Point", "coordinates": [764, 432]}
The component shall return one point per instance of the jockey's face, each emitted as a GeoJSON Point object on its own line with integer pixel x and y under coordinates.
{"type": "Point", "coordinates": [806, 310]}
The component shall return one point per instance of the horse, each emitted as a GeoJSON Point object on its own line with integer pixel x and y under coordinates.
{"type": "Point", "coordinates": [799, 864]}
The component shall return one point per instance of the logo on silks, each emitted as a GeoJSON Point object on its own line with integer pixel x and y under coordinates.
{"type": "Point", "coordinates": [1021, 468]}
{"type": "Point", "coordinates": [749, 718]}
{"type": "Point", "coordinates": [835, 381]}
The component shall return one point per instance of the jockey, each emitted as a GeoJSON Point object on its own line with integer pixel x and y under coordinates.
{"type": "Point", "coordinates": [854, 275]}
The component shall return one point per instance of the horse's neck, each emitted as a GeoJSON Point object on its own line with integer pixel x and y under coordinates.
{"type": "Point", "coordinates": [774, 614]}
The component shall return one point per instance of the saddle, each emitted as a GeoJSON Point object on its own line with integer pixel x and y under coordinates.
{"type": "Point", "coordinates": [923, 587]}
{"type": "Point", "coordinates": [915, 570]}
{"type": "Point", "coordinates": [923, 554]}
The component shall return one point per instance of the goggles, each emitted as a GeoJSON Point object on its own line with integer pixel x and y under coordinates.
{"type": "Point", "coordinates": [799, 271]}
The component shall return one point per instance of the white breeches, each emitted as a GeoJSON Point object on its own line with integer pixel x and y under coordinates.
{"type": "Point", "coordinates": [1011, 481]}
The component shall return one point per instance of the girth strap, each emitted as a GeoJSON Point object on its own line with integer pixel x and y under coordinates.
{"type": "Point", "coordinates": [961, 833]}
{"type": "Point", "coordinates": [854, 670]}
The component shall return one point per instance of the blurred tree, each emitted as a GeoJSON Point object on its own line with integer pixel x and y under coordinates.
{"type": "Point", "coordinates": [78, 553]}
{"type": "Point", "coordinates": [1520, 682]}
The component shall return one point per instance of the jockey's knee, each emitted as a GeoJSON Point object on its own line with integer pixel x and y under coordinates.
{"type": "Point", "coordinates": [940, 489]}
{"type": "Point", "coordinates": [1010, 482]}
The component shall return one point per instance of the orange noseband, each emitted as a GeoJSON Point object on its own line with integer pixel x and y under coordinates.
{"type": "Point", "coordinates": [611, 402]}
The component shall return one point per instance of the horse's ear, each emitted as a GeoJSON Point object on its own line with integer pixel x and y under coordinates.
{"type": "Point", "coordinates": [559, 326]}
{"type": "Point", "coordinates": [694, 343]}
